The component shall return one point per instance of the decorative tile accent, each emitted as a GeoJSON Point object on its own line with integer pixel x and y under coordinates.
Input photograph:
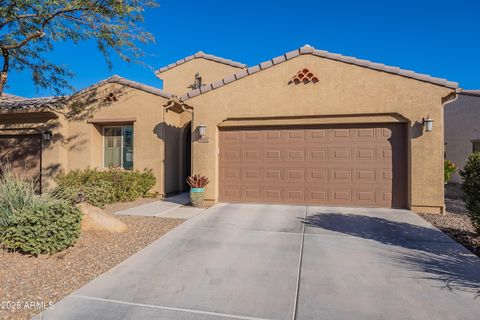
{"type": "Point", "coordinates": [304, 76]}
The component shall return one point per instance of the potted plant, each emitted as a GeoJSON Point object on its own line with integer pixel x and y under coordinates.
{"type": "Point", "coordinates": [197, 185]}
{"type": "Point", "coordinates": [449, 168]}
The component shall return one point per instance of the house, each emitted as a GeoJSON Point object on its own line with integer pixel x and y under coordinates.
{"type": "Point", "coordinates": [307, 127]}
{"type": "Point", "coordinates": [462, 128]}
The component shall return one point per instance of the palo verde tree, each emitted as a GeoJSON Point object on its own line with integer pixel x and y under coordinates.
{"type": "Point", "coordinates": [29, 29]}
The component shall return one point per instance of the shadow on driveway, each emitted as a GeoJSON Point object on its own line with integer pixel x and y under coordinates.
{"type": "Point", "coordinates": [428, 250]}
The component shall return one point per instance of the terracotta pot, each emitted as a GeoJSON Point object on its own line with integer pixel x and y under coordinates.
{"type": "Point", "coordinates": [196, 197]}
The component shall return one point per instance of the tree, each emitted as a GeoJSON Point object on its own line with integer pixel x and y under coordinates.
{"type": "Point", "coordinates": [29, 29]}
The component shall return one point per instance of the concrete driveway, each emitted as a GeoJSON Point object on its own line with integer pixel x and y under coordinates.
{"type": "Point", "coordinates": [288, 262]}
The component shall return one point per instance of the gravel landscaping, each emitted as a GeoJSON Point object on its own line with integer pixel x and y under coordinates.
{"type": "Point", "coordinates": [48, 278]}
{"type": "Point", "coordinates": [455, 222]}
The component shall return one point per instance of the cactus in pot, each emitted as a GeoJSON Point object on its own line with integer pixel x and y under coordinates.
{"type": "Point", "coordinates": [197, 185]}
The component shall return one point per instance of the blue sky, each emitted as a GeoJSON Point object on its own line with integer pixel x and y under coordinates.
{"type": "Point", "coordinates": [440, 38]}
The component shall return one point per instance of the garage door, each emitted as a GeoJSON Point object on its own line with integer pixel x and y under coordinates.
{"type": "Point", "coordinates": [23, 152]}
{"type": "Point", "coordinates": [346, 165]}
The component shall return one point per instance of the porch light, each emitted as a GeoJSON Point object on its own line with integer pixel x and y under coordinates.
{"type": "Point", "coordinates": [428, 124]}
{"type": "Point", "coordinates": [202, 130]}
{"type": "Point", "coordinates": [47, 135]}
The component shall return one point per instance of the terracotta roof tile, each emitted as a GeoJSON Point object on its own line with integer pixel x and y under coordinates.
{"type": "Point", "coordinates": [7, 102]}
{"type": "Point", "coordinates": [471, 92]}
{"type": "Point", "coordinates": [253, 69]}
{"type": "Point", "coordinates": [128, 83]}
{"type": "Point", "coordinates": [241, 74]}
{"type": "Point", "coordinates": [202, 55]}
{"type": "Point", "coordinates": [266, 64]}
{"type": "Point", "coordinates": [333, 56]}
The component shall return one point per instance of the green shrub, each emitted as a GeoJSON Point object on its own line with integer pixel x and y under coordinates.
{"type": "Point", "coordinates": [15, 194]}
{"type": "Point", "coordinates": [449, 168]}
{"type": "Point", "coordinates": [471, 188]}
{"type": "Point", "coordinates": [104, 187]}
{"type": "Point", "coordinates": [48, 225]}
{"type": "Point", "coordinates": [31, 223]}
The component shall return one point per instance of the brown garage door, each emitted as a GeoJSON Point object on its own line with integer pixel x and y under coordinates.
{"type": "Point", "coordinates": [24, 153]}
{"type": "Point", "coordinates": [348, 165]}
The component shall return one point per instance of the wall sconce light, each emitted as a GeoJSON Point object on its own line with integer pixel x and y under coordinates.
{"type": "Point", "coordinates": [202, 131]}
{"type": "Point", "coordinates": [428, 124]}
{"type": "Point", "coordinates": [47, 135]}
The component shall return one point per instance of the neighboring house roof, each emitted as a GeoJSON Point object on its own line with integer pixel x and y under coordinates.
{"type": "Point", "coordinates": [202, 55]}
{"type": "Point", "coordinates": [10, 102]}
{"type": "Point", "coordinates": [128, 83]}
{"type": "Point", "coordinates": [10, 97]}
{"type": "Point", "coordinates": [324, 54]}
{"type": "Point", "coordinates": [471, 92]}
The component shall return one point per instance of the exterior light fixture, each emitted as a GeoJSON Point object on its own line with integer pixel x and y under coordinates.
{"type": "Point", "coordinates": [428, 124]}
{"type": "Point", "coordinates": [47, 135]}
{"type": "Point", "coordinates": [202, 130]}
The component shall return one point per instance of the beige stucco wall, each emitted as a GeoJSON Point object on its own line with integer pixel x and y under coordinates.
{"type": "Point", "coordinates": [179, 79]}
{"type": "Point", "coordinates": [78, 144]}
{"type": "Point", "coordinates": [462, 125]}
{"type": "Point", "coordinates": [342, 89]}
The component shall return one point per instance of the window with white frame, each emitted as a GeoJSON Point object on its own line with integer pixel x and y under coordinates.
{"type": "Point", "coordinates": [118, 147]}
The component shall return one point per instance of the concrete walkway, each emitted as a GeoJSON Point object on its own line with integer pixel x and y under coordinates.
{"type": "Point", "coordinates": [257, 262]}
{"type": "Point", "coordinates": [171, 207]}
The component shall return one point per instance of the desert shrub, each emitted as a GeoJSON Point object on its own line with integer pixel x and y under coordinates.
{"type": "Point", "coordinates": [449, 168]}
{"type": "Point", "coordinates": [15, 194]}
{"type": "Point", "coordinates": [101, 187]}
{"type": "Point", "coordinates": [471, 188]}
{"type": "Point", "coordinates": [47, 225]}
{"type": "Point", "coordinates": [32, 223]}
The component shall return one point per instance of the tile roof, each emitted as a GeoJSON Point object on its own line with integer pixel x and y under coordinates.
{"type": "Point", "coordinates": [10, 97]}
{"type": "Point", "coordinates": [471, 92]}
{"type": "Point", "coordinates": [320, 53]}
{"type": "Point", "coordinates": [128, 83]}
{"type": "Point", "coordinates": [9, 102]}
{"type": "Point", "coordinates": [203, 55]}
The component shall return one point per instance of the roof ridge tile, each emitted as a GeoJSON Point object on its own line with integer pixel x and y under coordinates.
{"type": "Point", "coordinates": [307, 49]}
{"type": "Point", "coordinates": [202, 55]}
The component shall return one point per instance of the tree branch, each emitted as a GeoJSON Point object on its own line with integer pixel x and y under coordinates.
{"type": "Point", "coordinates": [16, 18]}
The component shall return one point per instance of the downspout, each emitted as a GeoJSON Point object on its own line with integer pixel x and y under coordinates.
{"type": "Point", "coordinates": [452, 97]}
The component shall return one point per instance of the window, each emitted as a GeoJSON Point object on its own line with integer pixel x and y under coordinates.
{"type": "Point", "coordinates": [118, 147]}
{"type": "Point", "coordinates": [476, 146]}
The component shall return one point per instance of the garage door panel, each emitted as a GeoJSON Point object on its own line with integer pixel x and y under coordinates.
{"type": "Point", "coordinates": [317, 195]}
{"type": "Point", "coordinates": [352, 165]}
{"type": "Point", "coordinates": [341, 154]}
{"type": "Point", "coordinates": [320, 135]}
{"type": "Point", "coordinates": [317, 154]}
{"type": "Point", "coordinates": [252, 155]}
{"type": "Point", "coordinates": [295, 155]}
{"type": "Point", "coordinates": [273, 175]}
{"type": "Point", "coordinates": [317, 175]}
{"type": "Point", "coordinates": [253, 174]}
{"type": "Point", "coordinates": [272, 154]}
{"type": "Point", "coordinates": [294, 195]}
{"type": "Point", "coordinates": [365, 153]}
{"type": "Point", "coordinates": [293, 175]}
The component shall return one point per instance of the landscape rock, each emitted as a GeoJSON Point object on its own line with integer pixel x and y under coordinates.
{"type": "Point", "coordinates": [96, 219]}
